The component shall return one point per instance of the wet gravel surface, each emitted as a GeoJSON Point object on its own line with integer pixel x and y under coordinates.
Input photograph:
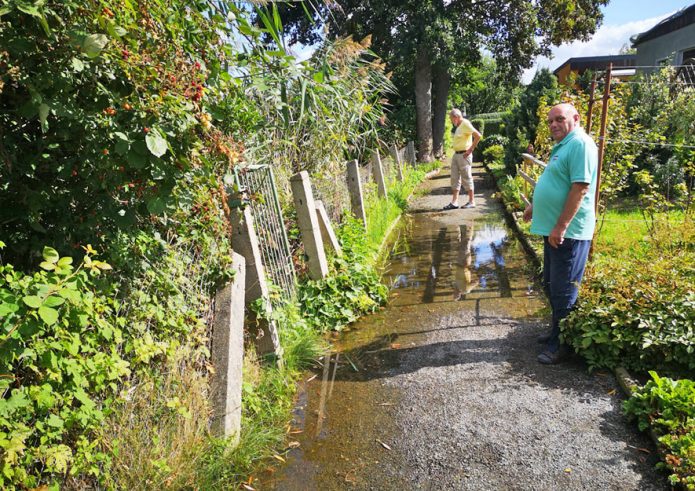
{"type": "Point", "coordinates": [442, 389]}
{"type": "Point", "coordinates": [490, 417]}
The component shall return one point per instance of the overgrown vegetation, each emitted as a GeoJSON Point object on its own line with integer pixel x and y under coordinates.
{"type": "Point", "coordinates": [119, 124]}
{"type": "Point", "coordinates": [668, 407]}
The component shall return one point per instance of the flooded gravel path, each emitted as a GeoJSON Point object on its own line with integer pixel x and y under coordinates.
{"type": "Point", "coordinates": [441, 389]}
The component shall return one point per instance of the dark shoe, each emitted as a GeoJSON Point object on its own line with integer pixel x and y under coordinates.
{"type": "Point", "coordinates": [450, 206]}
{"type": "Point", "coordinates": [552, 357]}
{"type": "Point", "coordinates": [543, 338]}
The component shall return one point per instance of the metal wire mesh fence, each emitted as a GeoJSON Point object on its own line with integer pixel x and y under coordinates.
{"type": "Point", "coordinates": [258, 181]}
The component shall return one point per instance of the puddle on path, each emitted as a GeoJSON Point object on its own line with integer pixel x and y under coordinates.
{"type": "Point", "coordinates": [344, 414]}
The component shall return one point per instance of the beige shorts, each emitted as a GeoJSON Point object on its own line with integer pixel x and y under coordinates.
{"type": "Point", "coordinates": [461, 172]}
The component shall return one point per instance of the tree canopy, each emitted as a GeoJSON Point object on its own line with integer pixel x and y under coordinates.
{"type": "Point", "coordinates": [426, 38]}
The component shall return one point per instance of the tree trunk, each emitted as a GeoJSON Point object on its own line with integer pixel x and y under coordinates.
{"type": "Point", "coordinates": [423, 105]}
{"type": "Point", "coordinates": [440, 94]}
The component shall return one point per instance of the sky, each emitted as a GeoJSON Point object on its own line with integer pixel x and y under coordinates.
{"type": "Point", "coordinates": [621, 19]}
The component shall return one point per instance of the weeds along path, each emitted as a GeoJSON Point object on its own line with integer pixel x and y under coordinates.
{"type": "Point", "coordinates": [441, 390]}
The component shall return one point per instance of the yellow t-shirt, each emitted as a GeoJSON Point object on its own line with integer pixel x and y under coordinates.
{"type": "Point", "coordinates": [463, 136]}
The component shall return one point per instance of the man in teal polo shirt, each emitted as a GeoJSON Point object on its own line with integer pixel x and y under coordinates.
{"type": "Point", "coordinates": [563, 213]}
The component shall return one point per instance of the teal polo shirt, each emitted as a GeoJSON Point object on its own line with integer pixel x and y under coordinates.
{"type": "Point", "coordinates": [574, 159]}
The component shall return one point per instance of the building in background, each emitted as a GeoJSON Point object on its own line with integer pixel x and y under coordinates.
{"type": "Point", "coordinates": [623, 66]}
{"type": "Point", "coordinates": [670, 42]}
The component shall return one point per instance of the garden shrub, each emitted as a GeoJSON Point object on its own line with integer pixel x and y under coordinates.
{"type": "Point", "coordinates": [351, 290]}
{"type": "Point", "coordinates": [638, 313]}
{"type": "Point", "coordinates": [61, 365]}
{"type": "Point", "coordinates": [493, 153]}
{"type": "Point", "coordinates": [668, 406]}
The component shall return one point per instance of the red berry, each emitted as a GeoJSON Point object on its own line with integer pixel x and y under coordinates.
{"type": "Point", "coordinates": [105, 151]}
{"type": "Point", "coordinates": [146, 129]}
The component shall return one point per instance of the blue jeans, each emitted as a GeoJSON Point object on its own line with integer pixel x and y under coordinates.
{"type": "Point", "coordinates": [563, 269]}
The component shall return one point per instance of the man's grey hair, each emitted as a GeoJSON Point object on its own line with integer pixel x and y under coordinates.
{"type": "Point", "coordinates": [456, 113]}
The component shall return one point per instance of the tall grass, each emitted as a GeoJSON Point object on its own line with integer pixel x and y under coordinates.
{"type": "Point", "coordinates": [383, 211]}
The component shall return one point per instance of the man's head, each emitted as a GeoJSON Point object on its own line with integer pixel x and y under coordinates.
{"type": "Point", "coordinates": [562, 119]}
{"type": "Point", "coordinates": [456, 117]}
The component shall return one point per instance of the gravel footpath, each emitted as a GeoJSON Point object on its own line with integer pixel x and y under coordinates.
{"type": "Point", "coordinates": [443, 391]}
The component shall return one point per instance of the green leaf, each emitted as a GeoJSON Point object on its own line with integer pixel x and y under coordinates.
{"type": "Point", "coordinates": [43, 116]}
{"type": "Point", "coordinates": [94, 44]}
{"type": "Point", "coordinates": [54, 421]}
{"type": "Point", "coordinates": [47, 266]}
{"type": "Point", "coordinates": [77, 65]}
{"type": "Point", "coordinates": [64, 261]}
{"type": "Point", "coordinates": [54, 301]}
{"type": "Point", "coordinates": [32, 301]}
{"type": "Point", "coordinates": [156, 206]}
{"type": "Point", "coordinates": [156, 143]}
{"type": "Point", "coordinates": [48, 315]}
{"type": "Point", "coordinates": [114, 30]}
{"type": "Point", "coordinates": [50, 255]}
{"type": "Point", "coordinates": [29, 9]}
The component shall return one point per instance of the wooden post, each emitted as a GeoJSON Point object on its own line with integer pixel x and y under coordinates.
{"type": "Point", "coordinates": [525, 166]}
{"type": "Point", "coordinates": [590, 112]}
{"type": "Point", "coordinates": [355, 187]}
{"type": "Point", "coordinates": [227, 354]}
{"type": "Point", "coordinates": [602, 134]}
{"type": "Point", "coordinates": [378, 172]}
{"type": "Point", "coordinates": [327, 233]}
{"type": "Point", "coordinates": [245, 242]}
{"type": "Point", "coordinates": [309, 225]}
{"type": "Point", "coordinates": [397, 162]}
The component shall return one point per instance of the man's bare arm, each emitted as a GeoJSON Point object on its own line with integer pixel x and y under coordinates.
{"type": "Point", "coordinates": [574, 200]}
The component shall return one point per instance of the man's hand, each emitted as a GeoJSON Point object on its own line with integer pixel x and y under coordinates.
{"type": "Point", "coordinates": [556, 237]}
{"type": "Point", "coordinates": [528, 213]}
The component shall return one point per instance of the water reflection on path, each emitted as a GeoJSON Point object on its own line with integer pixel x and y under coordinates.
{"type": "Point", "coordinates": [442, 264]}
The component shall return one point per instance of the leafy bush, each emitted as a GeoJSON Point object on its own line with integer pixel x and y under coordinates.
{"type": "Point", "coordinates": [352, 289]}
{"type": "Point", "coordinates": [638, 313]}
{"type": "Point", "coordinates": [61, 365]}
{"type": "Point", "coordinates": [668, 406]}
{"type": "Point", "coordinates": [493, 153]}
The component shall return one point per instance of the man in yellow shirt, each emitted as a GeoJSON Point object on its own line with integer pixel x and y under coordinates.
{"type": "Point", "coordinates": [465, 139]}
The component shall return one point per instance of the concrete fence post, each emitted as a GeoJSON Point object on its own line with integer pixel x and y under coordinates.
{"type": "Point", "coordinates": [378, 172]}
{"type": "Point", "coordinates": [355, 187]}
{"type": "Point", "coordinates": [327, 233]}
{"type": "Point", "coordinates": [397, 162]}
{"type": "Point", "coordinates": [227, 354]}
{"type": "Point", "coordinates": [412, 158]}
{"type": "Point", "coordinates": [309, 225]}
{"type": "Point", "coordinates": [245, 242]}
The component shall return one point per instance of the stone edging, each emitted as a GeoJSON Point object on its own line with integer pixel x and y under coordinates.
{"type": "Point", "coordinates": [628, 384]}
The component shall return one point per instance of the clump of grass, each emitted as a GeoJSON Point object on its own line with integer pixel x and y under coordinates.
{"type": "Point", "coordinates": [159, 433]}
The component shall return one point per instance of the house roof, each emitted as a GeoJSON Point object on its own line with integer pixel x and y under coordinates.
{"type": "Point", "coordinates": [597, 62]}
{"type": "Point", "coordinates": [684, 17]}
